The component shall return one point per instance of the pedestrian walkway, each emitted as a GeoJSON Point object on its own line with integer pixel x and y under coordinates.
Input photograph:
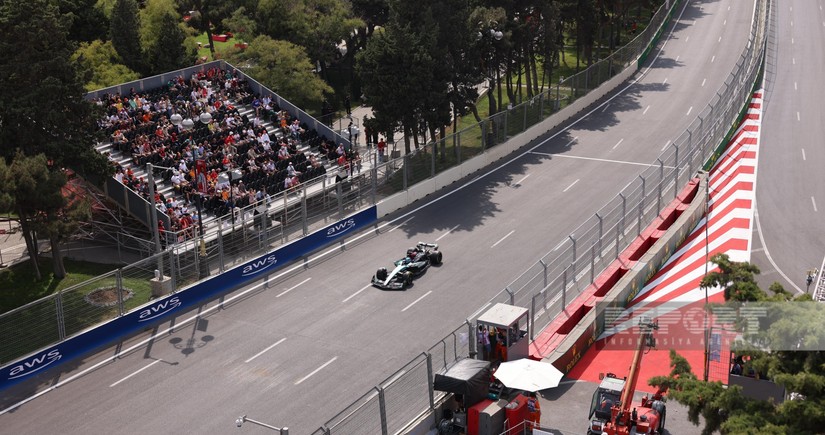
{"type": "Point", "coordinates": [672, 296]}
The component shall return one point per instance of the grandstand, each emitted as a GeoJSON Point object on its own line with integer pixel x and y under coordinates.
{"type": "Point", "coordinates": [209, 130]}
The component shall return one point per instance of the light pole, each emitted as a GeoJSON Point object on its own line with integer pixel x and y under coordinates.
{"type": "Point", "coordinates": [243, 419]}
{"type": "Point", "coordinates": [153, 215]}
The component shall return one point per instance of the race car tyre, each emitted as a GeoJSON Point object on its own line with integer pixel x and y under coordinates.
{"type": "Point", "coordinates": [435, 257]}
{"type": "Point", "coordinates": [408, 279]}
{"type": "Point", "coordinates": [381, 274]}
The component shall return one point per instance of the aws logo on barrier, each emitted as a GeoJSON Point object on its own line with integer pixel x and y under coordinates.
{"type": "Point", "coordinates": [340, 228]}
{"type": "Point", "coordinates": [159, 309]}
{"type": "Point", "coordinates": [35, 364]}
{"type": "Point", "coordinates": [259, 265]}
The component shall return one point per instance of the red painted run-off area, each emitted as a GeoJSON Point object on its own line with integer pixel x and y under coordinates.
{"type": "Point", "coordinates": [681, 329]}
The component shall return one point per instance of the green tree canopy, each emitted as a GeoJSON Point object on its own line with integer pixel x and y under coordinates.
{"type": "Point", "coordinates": [283, 67]}
{"type": "Point", "coordinates": [102, 65]}
{"type": "Point", "coordinates": [736, 278]}
{"type": "Point", "coordinates": [166, 45]}
{"type": "Point", "coordinates": [124, 32]}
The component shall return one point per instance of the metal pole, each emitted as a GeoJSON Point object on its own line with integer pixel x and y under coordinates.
{"type": "Point", "coordinates": [153, 216]}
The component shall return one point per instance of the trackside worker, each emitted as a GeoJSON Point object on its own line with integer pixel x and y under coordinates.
{"type": "Point", "coordinates": [534, 410]}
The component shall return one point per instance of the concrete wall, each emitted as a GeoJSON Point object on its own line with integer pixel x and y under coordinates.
{"type": "Point", "coordinates": [498, 152]}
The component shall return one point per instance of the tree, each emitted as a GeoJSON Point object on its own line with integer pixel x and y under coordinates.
{"type": "Point", "coordinates": [283, 67]}
{"type": "Point", "coordinates": [45, 124]}
{"type": "Point", "coordinates": [736, 278]}
{"type": "Point", "coordinates": [101, 63]}
{"type": "Point", "coordinates": [167, 49]}
{"type": "Point", "coordinates": [88, 21]}
{"type": "Point", "coordinates": [242, 24]}
{"type": "Point", "coordinates": [790, 325]}
{"type": "Point", "coordinates": [124, 32]}
{"type": "Point", "coordinates": [42, 109]}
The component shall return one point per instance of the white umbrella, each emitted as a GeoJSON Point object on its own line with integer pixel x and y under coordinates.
{"type": "Point", "coordinates": [528, 375]}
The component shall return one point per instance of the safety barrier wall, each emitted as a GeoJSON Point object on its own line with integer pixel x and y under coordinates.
{"type": "Point", "coordinates": [638, 273]}
{"type": "Point", "coordinates": [180, 302]}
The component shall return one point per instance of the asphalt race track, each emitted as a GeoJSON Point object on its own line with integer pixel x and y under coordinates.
{"type": "Point", "coordinates": [790, 179]}
{"type": "Point", "coordinates": [300, 351]}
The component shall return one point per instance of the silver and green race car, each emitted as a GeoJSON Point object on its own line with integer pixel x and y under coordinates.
{"type": "Point", "coordinates": [417, 260]}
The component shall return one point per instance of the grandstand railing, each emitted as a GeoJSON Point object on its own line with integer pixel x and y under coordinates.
{"type": "Point", "coordinates": [544, 288]}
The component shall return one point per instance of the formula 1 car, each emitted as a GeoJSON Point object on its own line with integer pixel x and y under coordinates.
{"type": "Point", "coordinates": [417, 260]}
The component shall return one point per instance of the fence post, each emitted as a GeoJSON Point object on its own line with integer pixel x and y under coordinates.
{"type": "Point", "coordinates": [119, 290]}
{"type": "Point", "coordinates": [676, 172]}
{"type": "Point", "coordinates": [382, 406]}
{"type": "Point", "coordinates": [592, 263]}
{"type": "Point", "coordinates": [431, 387]}
{"type": "Point", "coordinates": [601, 233]}
{"type": "Point", "coordinates": [661, 181]}
{"type": "Point", "coordinates": [617, 243]}
{"type": "Point", "coordinates": [374, 177]}
{"type": "Point", "coordinates": [624, 213]}
{"type": "Point", "coordinates": [526, 106]}
{"type": "Point", "coordinates": [61, 319]}
{"type": "Point", "coordinates": [512, 295]}
{"type": "Point", "coordinates": [575, 257]}
{"type": "Point", "coordinates": [339, 191]}
{"type": "Point", "coordinates": [533, 317]}
{"type": "Point", "coordinates": [564, 289]}
{"type": "Point", "coordinates": [544, 265]}
{"type": "Point", "coordinates": [304, 209]}
{"type": "Point", "coordinates": [435, 150]}
{"type": "Point", "coordinates": [404, 171]}
{"type": "Point", "coordinates": [221, 266]}
{"type": "Point", "coordinates": [558, 94]}
{"type": "Point", "coordinates": [642, 204]}
{"type": "Point", "coordinates": [173, 271]}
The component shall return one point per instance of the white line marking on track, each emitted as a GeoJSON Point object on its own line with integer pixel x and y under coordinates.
{"type": "Point", "coordinates": [703, 82]}
{"type": "Point", "coordinates": [792, 41]}
{"type": "Point", "coordinates": [571, 141]}
{"type": "Point", "coordinates": [677, 58]}
{"type": "Point", "coordinates": [265, 350]}
{"type": "Point", "coordinates": [136, 372]}
{"type": "Point", "coordinates": [620, 141]}
{"type": "Point", "coordinates": [813, 201]}
{"type": "Point", "coordinates": [416, 301]}
{"type": "Point", "coordinates": [712, 59]}
{"type": "Point", "coordinates": [797, 116]}
{"type": "Point", "coordinates": [666, 145]}
{"type": "Point", "coordinates": [595, 159]}
{"type": "Point", "coordinates": [757, 250]}
{"type": "Point", "coordinates": [686, 38]}
{"type": "Point", "coordinates": [665, 81]}
{"type": "Point", "coordinates": [605, 107]}
{"type": "Point", "coordinates": [502, 239]}
{"type": "Point", "coordinates": [573, 183]}
{"type": "Point", "coordinates": [356, 293]}
{"type": "Point", "coordinates": [689, 110]}
{"type": "Point", "coordinates": [794, 86]}
{"type": "Point", "coordinates": [720, 39]}
{"type": "Point", "coordinates": [803, 154]}
{"type": "Point", "coordinates": [791, 23]}
{"type": "Point", "coordinates": [292, 288]}
{"type": "Point", "coordinates": [445, 234]}
{"type": "Point", "coordinates": [316, 370]}
{"type": "Point", "coordinates": [519, 181]}
{"type": "Point", "coordinates": [793, 60]}
{"type": "Point", "coordinates": [401, 224]}
{"type": "Point", "coordinates": [646, 109]}
{"type": "Point", "coordinates": [724, 22]}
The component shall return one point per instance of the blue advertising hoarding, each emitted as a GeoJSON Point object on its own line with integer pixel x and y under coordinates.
{"type": "Point", "coordinates": [172, 305]}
